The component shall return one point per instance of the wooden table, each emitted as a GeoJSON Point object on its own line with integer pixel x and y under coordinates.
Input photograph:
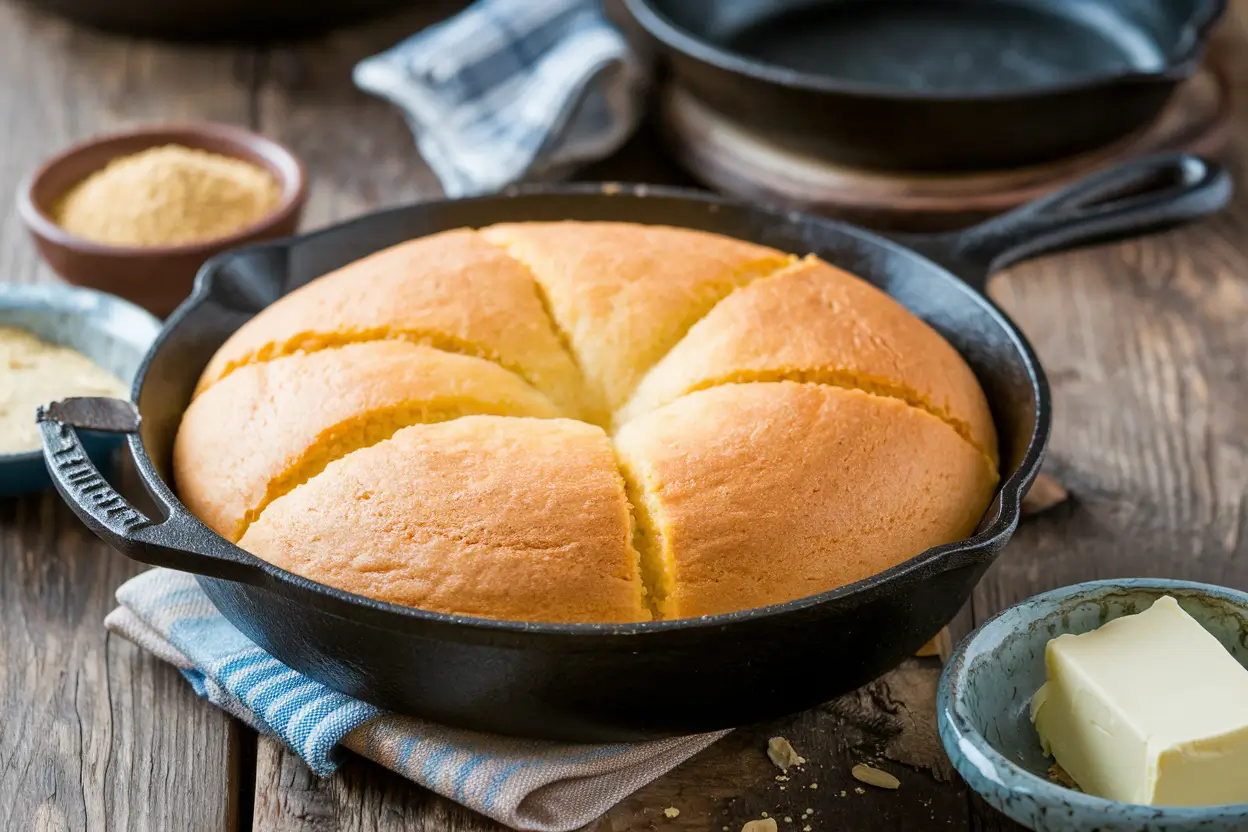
{"type": "Point", "coordinates": [1146, 346]}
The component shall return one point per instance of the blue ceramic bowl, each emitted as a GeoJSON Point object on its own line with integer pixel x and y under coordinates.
{"type": "Point", "coordinates": [983, 706]}
{"type": "Point", "coordinates": [113, 333]}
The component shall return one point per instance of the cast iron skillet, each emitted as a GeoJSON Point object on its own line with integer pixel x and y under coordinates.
{"type": "Point", "coordinates": [230, 20]}
{"type": "Point", "coordinates": [614, 681]}
{"type": "Point", "coordinates": [935, 85]}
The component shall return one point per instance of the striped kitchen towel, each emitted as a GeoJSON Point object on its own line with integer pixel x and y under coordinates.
{"type": "Point", "coordinates": [512, 90]}
{"type": "Point", "coordinates": [524, 784]}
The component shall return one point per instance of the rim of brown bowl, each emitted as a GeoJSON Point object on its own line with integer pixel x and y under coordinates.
{"type": "Point", "coordinates": [224, 139]}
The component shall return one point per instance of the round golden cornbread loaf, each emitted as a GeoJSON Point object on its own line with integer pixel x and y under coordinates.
{"type": "Point", "coordinates": [429, 426]}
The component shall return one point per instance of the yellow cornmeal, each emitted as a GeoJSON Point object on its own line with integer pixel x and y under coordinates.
{"type": "Point", "coordinates": [166, 196]}
{"type": "Point", "coordinates": [34, 372]}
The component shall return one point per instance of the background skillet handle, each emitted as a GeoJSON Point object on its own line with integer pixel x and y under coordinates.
{"type": "Point", "coordinates": [1148, 194]}
{"type": "Point", "coordinates": [180, 541]}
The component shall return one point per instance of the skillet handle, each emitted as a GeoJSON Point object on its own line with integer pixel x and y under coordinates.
{"type": "Point", "coordinates": [180, 541]}
{"type": "Point", "coordinates": [1148, 194]}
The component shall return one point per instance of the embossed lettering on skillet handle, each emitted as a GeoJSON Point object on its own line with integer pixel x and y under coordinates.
{"type": "Point", "coordinates": [178, 541]}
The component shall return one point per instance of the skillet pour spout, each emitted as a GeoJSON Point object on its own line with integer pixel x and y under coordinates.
{"type": "Point", "coordinates": [614, 682]}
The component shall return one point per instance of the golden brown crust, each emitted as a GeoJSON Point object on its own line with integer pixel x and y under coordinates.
{"type": "Point", "coordinates": [762, 493]}
{"type": "Point", "coordinates": [624, 294]}
{"type": "Point", "coordinates": [267, 427]}
{"type": "Point", "coordinates": [485, 516]}
{"type": "Point", "coordinates": [451, 290]}
{"type": "Point", "coordinates": [785, 427]}
{"type": "Point", "coordinates": [815, 322]}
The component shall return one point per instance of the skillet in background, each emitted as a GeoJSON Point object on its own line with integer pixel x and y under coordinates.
{"type": "Point", "coordinates": [934, 85]}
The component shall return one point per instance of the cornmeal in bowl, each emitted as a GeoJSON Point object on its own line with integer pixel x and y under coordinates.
{"type": "Point", "coordinates": [587, 422]}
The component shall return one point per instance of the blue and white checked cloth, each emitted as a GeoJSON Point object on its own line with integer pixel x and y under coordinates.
{"type": "Point", "coordinates": [521, 783]}
{"type": "Point", "coordinates": [512, 90]}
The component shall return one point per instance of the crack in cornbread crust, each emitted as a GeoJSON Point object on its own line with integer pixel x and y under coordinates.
{"type": "Point", "coordinates": [653, 568]}
{"type": "Point", "coordinates": [645, 512]}
{"type": "Point", "coordinates": [596, 413]}
{"type": "Point", "coordinates": [845, 381]}
{"type": "Point", "coordinates": [353, 435]}
{"type": "Point", "coordinates": [310, 342]}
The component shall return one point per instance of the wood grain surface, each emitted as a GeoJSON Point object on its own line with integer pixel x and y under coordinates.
{"type": "Point", "coordinates": [94, 734]}
{"type": "Point", "coordinates": [1145, 345]}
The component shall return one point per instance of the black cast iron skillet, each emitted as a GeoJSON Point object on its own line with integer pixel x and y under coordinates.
{"type": "Point", "coordinates": [937, 85]}
{"type": "Point", "coordinates": [222, 20]}
{"type": "Point", "coordinates": [614, 681]}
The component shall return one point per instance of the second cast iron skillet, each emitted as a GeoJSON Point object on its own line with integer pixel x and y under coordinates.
{"type": "Point", "coordinates": [936, 85]}
{"type": "Point", "coordinates": [607, 682]}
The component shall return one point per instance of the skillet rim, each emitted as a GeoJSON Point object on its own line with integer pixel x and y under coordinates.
{"type": "Point", "coordinates": [1176, 67]}
{"type": "Point", "coordinates": [992, 537]}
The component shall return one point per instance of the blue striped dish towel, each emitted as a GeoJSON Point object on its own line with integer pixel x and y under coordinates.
{"type": "Point", "coordinates": [523, 784]}
{"type": "Point", "coordinates": [512, 90]}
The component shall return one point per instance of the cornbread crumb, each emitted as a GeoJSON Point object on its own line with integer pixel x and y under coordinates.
{"type": "Point", "coordinates": [781, 752]}
{"type": "Point", "coordinates": [813, 786]}
{"type": "Point", "coordinates": [765, 825]}
{"type": "Point", "coordinates": [788, 819]}
{"type": "Point", "coordinates": [671, 812]}
{"type": "Point", "coordinates": [874, 777]}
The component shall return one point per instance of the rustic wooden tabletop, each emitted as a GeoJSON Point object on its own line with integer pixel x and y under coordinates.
{"type": "Point", "coordinates": [1145, 344]}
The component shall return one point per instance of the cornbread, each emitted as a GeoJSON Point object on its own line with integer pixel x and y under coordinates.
{"type": "Point", "coordinates": [167, 196]}
{"type": "Point", "coordinates": [429, 426]}
{"type": "Point", "coordinates": [452, 291]}
{"type": "Point", "coordinates": [753, 494]}
{"type": "Point", "coordinates": [836, 330]}
{"type": "Point", "coordinates": [34, 372]}
{"type": "Point", "coordinates": [625, 294]}
{"type": "Point", "coordinates": [485, 515]}
{"type": "Point", "coordinates": [1149, 708]}
{"type": "Point", "coordinates": [268, 427]}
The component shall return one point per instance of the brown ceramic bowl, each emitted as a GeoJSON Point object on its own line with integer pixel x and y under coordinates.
{"type": "Point", "coordinates": [157, 278]}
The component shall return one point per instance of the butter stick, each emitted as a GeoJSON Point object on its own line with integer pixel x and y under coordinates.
{"type": "Point", "coordinates": [1148, 709]}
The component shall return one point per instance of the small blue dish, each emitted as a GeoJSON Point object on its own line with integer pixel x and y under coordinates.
{"type": "Point", "coordinates": [113, 333]}
{"type": "Point", "coordinates": [983, 705]}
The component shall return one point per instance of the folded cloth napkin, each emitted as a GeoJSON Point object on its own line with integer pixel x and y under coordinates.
{"type": "Point", "coordinates": [524, 784]}
{"type": "Point", "coordinates": [510, 90]}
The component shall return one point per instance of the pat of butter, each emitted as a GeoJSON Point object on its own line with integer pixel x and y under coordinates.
{"type": "Point", "coordinates": [1150, 709]}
